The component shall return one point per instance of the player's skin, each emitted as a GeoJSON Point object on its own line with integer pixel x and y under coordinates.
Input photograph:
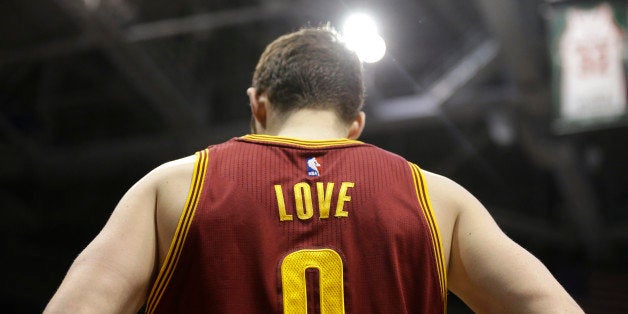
{"type": "Point", "coordinates": [486, 269]}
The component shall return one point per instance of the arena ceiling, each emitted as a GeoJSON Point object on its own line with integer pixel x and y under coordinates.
{"type": "Point", "coordinates": [95, 93]}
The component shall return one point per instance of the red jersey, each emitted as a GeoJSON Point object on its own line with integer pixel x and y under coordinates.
{"type": "Point", "coordinates": [276, 225]}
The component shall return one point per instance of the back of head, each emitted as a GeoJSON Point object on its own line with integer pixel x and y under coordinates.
{"type": "Point", "coordinates": [311, 68]}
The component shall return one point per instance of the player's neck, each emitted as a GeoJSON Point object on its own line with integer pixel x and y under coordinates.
{"type": "Point", "coordinates": [311, 124]}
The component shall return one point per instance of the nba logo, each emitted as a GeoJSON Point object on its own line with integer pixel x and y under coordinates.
{"type": "Point", "coordinates": [312, 167]}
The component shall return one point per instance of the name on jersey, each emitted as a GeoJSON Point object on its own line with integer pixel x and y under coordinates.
{"type": "Point", "coordinates": [302, 197]}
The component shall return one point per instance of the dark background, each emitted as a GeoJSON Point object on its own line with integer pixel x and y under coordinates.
{"type": "Point", "coordinates": [96, 93]}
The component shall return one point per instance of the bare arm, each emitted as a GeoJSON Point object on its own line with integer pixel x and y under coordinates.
{"type": "Point", "coordinates": [489, 271]}
{"type": "Point", "coordinates": [113, 273]}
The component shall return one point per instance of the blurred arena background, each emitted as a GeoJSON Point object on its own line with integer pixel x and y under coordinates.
{"type": "Point", "coordinates": [95, 93]}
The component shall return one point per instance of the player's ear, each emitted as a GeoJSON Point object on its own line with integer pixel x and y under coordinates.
{"type": "Point", "coordinates": [258, 105]}
{"type": "Point", "coordinates": [357, 126]}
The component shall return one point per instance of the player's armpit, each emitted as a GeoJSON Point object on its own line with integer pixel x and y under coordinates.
{"type": "Point", "coordinates": [493, 274]}
{"type": "Point", "coordinates": [113, 273]}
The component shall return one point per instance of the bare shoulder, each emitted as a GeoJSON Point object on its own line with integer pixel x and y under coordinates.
{"type": "Point", "coordinates": [113, 272]}
{"type": "Point", "coordinates": [451, 200]}
{"type": "Point", "coordinates": [486, 269]}
{"type": "Point", "coordinates": [446, 198]}
{"type": "Point", "coordinates": [447, 191]}
{"type": "Point", "coordinates": [172, 181]}
{"type": "Point", "coordinates": [174, 169]}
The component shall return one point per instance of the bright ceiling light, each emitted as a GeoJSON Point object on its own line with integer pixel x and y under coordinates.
{"type": "Point", "coordinates": [369, 49]}
{"type": "Point", "coordinates": [358, 24]}
{"type": "Point", "coordinates": [360, 34]}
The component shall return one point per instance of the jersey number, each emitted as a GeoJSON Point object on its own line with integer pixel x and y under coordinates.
{"type": "Point", "coordinates": [329, 265]}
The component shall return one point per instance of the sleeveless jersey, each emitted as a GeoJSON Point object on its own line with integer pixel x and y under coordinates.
{"type": "Point", "coordinates": [281, 225]}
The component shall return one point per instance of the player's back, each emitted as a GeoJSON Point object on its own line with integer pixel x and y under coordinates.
{"type": "Point", "coordinates": [276, 224]}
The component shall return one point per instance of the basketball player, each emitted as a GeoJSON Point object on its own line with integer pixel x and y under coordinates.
{"type": "Point", "coordinates": [302, 217]}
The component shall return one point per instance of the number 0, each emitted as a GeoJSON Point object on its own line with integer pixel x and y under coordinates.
{"type": "Point", "coordinates": [329, 265]}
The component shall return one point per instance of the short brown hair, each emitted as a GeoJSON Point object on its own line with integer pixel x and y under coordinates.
{"type": "Point", "coordinates": [311, 68]}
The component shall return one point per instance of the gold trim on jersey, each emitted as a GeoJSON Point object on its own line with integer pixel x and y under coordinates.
{"type": "Point", "coordinates": [426, 205]}
{"type": "Point", "coordinates": [178, 240]}
{"type": "Point", "coordinates": [300, 142]}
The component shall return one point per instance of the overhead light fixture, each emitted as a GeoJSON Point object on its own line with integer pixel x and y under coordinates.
{"type": "Point", "coordinates": [360, 35]}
